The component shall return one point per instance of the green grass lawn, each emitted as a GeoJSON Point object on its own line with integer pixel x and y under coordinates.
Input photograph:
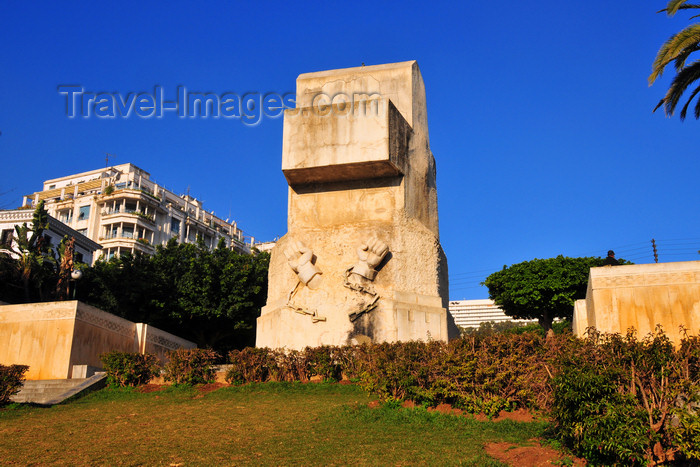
{"type": "Point", "coordinates": [259, 424]}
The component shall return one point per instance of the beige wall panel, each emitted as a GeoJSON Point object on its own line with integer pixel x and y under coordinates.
{"type": "Point", "coordinates": [643, 296]}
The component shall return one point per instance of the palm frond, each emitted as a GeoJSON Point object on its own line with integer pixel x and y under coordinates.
{"type": "Point", "coordinates": [683, 79]}
{"type": "Point", "coordinates": [697, 109]}
{"type": "Point", "coordinates": [661, 102]}
{"type": "Point", "coordinates": [679, 61]}
{"type": "Point", "coordinates": [676, 44]}
{"type": "Point", "coordinates": [673, 6]}
{"type": "Point", "coordinates": [684, 110]}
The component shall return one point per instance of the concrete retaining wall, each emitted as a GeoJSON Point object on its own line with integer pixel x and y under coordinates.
{"type": "Point", "coordinates": [52, 337]}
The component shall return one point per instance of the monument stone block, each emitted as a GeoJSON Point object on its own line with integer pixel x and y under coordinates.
{"type": "Point", "coordinates": [361, 261]}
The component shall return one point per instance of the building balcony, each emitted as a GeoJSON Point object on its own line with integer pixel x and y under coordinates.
{"type": "Point", "coordinates": [132, 194]}
{"type": "Point", "coordinates": [129, 215]}
{"type": "Point", "coordinates": [66, 202]}
{"type": "Point", "coordinates": [127, 240]}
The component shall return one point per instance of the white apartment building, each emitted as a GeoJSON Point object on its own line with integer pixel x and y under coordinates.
{"type": "Point", "coordinates": [121, 208]}
{"type": "Point", "coordinates": [471, 313]}
{"type": "Point", "coordinates": [84, 249]}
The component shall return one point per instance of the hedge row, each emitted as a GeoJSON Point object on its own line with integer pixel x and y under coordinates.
{"type": "Point", "coordinates": [477, 374]}
{"type": "Point", "coordinates": [185, 366]}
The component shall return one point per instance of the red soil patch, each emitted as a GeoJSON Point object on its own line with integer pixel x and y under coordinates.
{"type": "Point", "coordinates": [207, 388]}
{"type": "Point", "coordinates": [520, 415]}
{"type": "Point", "coordinates": [445, 409]}
{"type": "Point", "coordinates": [526, 456]}
{"type": "Point", "coordinates": [152, 388]}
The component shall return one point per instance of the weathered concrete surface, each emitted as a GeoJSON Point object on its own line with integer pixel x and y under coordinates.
{"type": "Point", "coordinates": [350, 142]}
{"type": "Point", "coordinates": [642, 296]}
{"type": "Point", "coordinates": [358, 178]}
{"type": "Point", "coordinates": [55, 391]}
{"type": "Point", "coordinates": [53, 337]}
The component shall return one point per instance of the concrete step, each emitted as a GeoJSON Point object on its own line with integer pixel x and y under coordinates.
{"type": "Point", "coordinates": [52, 391]}
{"type": "Point", "coordinates": [53, 385]}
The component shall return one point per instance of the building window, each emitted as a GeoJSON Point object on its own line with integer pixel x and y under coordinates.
{"type": "Point", "coordinates": [79, 257]}
{"type": "Point", "coordinates": [66, 216]}
{"type": "Point", "coordinates": [175, 226]}
{"type": "Point", "coordinates": [6, 238]}
{"type": "Point", "coordinates": [84, 213]}
{"type": "Point", "coordinates": [82, 231]}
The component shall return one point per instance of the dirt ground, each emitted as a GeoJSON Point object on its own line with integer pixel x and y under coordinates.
{"type": "Point", "coordinates": [527, 456]}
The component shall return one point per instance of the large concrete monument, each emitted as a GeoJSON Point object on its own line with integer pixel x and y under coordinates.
{"type": "Point", "coordinates": [362, 260]}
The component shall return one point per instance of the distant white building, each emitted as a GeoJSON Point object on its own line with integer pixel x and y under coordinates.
{"type": "Point", "coordinates": [125, 211]}
{"type": "Point", "coordinates": [265, 246]}
{"type": "Point", "coordinates": [85, 248]}
{"type": "Point", "coordinates": [471, 313]}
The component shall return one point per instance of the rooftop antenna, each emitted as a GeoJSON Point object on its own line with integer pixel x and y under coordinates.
{"type": "Point", "coordinates": [107, 156]}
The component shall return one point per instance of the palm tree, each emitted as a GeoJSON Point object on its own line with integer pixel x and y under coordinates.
{"type": "Point", "coordinates": [677, 49]}
{"type": "Point", "coordinates": [34, 256]}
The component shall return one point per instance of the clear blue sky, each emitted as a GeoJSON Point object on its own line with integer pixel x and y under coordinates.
{"type": "Point", "coordinates": [539, 113]}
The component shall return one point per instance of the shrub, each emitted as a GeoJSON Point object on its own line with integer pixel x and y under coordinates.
{"type": "Point", "coordinates": [191, 366]}
{"type": "Point", "coordinates": [11, 381]}
{"type": "Point", "coordinates": [623, 400]}
{"type": "Point", "coordinates": [324, 361]}
{"type": "Point", "coordinates": [257, 365]}
{"type": "Point", "coordinates": [128, 368]}
{"type": "Point", "coordinates": [252, 365]}
{"type": "Point", "coordinates": [595, 419]}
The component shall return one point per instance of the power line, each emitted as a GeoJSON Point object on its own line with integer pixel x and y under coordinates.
{"type": "Point", "coordinates": [474, 272]}
{"type": "Point", "coordinates": [631, 251]}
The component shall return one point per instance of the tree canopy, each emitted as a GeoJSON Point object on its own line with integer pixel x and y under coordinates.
{"type": "Point", "coordinates": [210, 297]}
{"type": "Point", "coordinates": [677, 50]}
{"type": "Point", "coordinates": [542, 289]}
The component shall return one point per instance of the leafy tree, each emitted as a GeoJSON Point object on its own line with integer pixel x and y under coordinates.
{"type": "Point", "coordinates": [210, 297]}
{"type": "Point", "coordinates": [542, 289]}
{"type": "Point", "coordinates": [677, 49]}
{"type": "Point", "coordinates": [125, 286]}
{"type": "Point", "coordinates": [219, 293]}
